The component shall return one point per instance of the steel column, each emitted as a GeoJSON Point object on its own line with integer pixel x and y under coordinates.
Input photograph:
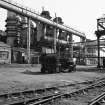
{"type": "Point", "coordinates": [98, 46]}
{"type": "Point", "coordinates": [28, 40]}
{"type": "Point", "coordinates": [83, 51]}
{"type": "Point", "coordinates": [44, 30]}
{"type": "Point", "coordinates": [55, 34]}
{"type": "Point", "coordinates": [71, 45]}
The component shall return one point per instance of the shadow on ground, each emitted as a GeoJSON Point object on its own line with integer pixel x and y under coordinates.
{"type": "Point", "coordinates": [39, 73]}
{"type": "Point", "coordinates": [32, 72]}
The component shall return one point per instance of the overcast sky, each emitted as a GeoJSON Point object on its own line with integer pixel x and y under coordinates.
{"type": "Point", "coordinates": [80, 14]}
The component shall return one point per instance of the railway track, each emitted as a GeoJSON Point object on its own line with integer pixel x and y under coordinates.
{"type": "Point", "coordinates": [42, 96]}
{"type": "Point", "coordinates": [99, 100]}
{"type": "Point", "coordinates": [53, 99]}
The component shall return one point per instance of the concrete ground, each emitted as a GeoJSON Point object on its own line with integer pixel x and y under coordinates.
{"type": "Point", "coordinates": [25, 78]}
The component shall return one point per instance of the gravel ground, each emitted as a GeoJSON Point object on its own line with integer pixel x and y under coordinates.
{"type": "Point", "coordinates": [18, 79]}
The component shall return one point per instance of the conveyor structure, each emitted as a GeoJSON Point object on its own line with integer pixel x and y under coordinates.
{"type": "Point", "coordinates": [24, 11]}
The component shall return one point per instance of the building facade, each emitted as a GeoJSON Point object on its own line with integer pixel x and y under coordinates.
{"type": "Point", "coordinates": [5, 53]}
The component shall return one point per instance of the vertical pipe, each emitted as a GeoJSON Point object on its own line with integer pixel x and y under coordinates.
{"type": "Point", "coordinates": [28, 40]}
{"type": "Point", "coordinates": [85, 54]}
{"type": "Point", "coordinates": [83, 40]}
{"type": "Point", "coordinates": [55, 39]}
{"type": "Point", "coordinates": [98, 46]}
{"type": "Point", "coordinates": [45, 30]}
{"type": "Point", "coordinates": [71, 46]}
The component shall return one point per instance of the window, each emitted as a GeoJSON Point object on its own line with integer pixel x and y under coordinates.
{"type": "Point", "coordinates": [4, 55]}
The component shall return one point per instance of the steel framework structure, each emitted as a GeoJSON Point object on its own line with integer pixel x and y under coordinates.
{"type": "Point", "coordinates": [100, 32]}
{"type": "Point", "coordinates": [32, 15]}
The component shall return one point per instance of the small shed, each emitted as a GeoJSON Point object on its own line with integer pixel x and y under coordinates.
{"type": "Point", "coordinates": [5, 53]}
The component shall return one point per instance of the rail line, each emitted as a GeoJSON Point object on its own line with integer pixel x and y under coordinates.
{"type": "Point", "coordinates": [40, 96]}
{"type": "Point", "coordinates": [68, 94]}
{"type": "Point", "coordinates": [98, 100]}
{"type": "Point", "coordinates": [23, 96]}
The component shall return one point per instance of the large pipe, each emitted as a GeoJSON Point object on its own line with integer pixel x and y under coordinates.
{"type": "Point", "coordinates": [6, 4]}
{"type": "Point", "coordinates": [57, 40]}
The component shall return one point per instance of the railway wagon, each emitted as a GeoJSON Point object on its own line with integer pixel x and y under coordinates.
{"type": "Point", "coordinates": [52, 63]}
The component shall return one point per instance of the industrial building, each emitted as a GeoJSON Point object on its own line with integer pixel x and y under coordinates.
{"type": "Point", "coordinates": [17, 33]}
{"type": "Point", "coordinates": [29, 34]}
{"type": "Point", "coordinates": [16, 38]}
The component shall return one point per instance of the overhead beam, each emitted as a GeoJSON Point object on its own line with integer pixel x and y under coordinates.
{"type": "Point", "coordinates": [6, 4]}
{"type": "Point", "coordinates": [101, 26]}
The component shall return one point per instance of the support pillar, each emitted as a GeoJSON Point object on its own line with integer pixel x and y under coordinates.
{"type": "Point", "coordinates": [98, 47]}
{"type": "Point", "coordinates": [55, 34]}
{"type": "Point", "coordinates": [71, 45]}
{"type": "Point", "coordinates": [44, 30]}
{"type": "Point", "coordinates": [28, 40]}
{"type": "Point", "coordinates": [59, 47]}
{"type": "Point", "coordinates": [83, 51]}
{"type": "Point", "coordinates": [44, 36]}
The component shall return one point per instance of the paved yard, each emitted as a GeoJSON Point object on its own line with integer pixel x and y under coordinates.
{"type": "Point", "coordinates": [16, 79]}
